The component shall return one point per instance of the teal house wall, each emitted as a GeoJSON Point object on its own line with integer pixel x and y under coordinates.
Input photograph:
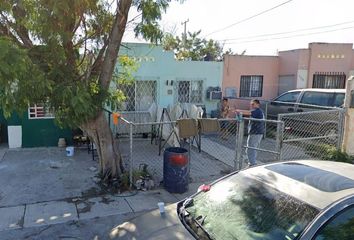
{"type": "Point", "coordinates": [43, 133]}
{"type": "Point", "coordinates": [159, 65]}
{"type": "Point", "coordinates": [35, 132]}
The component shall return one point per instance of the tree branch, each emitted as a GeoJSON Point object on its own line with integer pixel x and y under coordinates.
{"type": "Point", "coordinates": [22, 31]}
{"type": "Point", "coordinates": [98, 62]}
{"type": "Point", "coordinates": [85, 30]}
{"type": "Point", "coordinates": [5, 31]}
{"type": "Point", "coordinates": [115, 39]}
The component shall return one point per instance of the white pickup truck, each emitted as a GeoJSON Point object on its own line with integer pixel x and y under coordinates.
{"type": "Point", "coordinates": [305, 100]}
{"type": "Point", "coordinates": [321, 123]}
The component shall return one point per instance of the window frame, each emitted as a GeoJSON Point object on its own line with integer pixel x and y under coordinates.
{"type": "Point", "coordinates": [132, 93]}
{"type": "Point", "coordinates": [335, 99]}
{"type": "Point", "coordinates": [150, 85]}
{"type": "Point", "coordinates": [295, 92]}
{"type": "Point", "coordinates": [330, 220]}
{"type": "Point", "coordinates": [330, 98]}
{"type": "Point", "coordinates": [251, 81]}
{"type": "Point", "coordinates": [329, 80]}
{"type": "Point", "coordinates": [47, 114]}
{"type": "Point", "coordinates": [326, 214]}
{"type": "Point", "coordinates": [194, 88]}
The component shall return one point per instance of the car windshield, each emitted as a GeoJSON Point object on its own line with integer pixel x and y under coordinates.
{"type": "Point", "coordinates": [241, 207]}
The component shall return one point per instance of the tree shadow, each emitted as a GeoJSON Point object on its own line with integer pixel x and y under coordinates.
{"type": "Point", "coordinates": [271, 212]}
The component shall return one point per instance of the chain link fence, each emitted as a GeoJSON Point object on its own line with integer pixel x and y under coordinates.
{"type": "Point", "coordinates": [309, 135]}
{"type": "Point", "coordinates": [220, 145]}
{"type": "Point", "coordinates": [217, 149]}
{"type": "Point", "coordinates": [148, 149]}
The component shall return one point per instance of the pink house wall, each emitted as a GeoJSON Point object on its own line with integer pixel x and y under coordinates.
{"type": "Point", "coordinates": [304, 55]}
{"type": "Point", "coordinates": [329, 57]}
{"type": "Point", "coordinates": [235, 66]}
{"type": "Point", "coordinates": [319, 57]}
{"type": "Point", "coordinates": [288, 62]}
{"type": "Point", "coordinates": [293, 60]}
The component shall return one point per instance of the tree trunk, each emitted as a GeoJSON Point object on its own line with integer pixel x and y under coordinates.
{"type": "Point", "coordinates": [107, 148]}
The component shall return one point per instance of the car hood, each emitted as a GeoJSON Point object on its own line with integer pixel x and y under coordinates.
{"type": "Point", "coordinates": [153, 225]}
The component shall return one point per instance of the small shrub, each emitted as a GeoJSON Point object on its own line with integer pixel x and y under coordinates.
{"type": "Point", "coordinates": [137, 174]}
{"type": "Point", "coordinates": [334, 154]}
{"type": "Point", "coordinates": [328, 152]}
{"type": "Point", "coordinates": [316, 150]}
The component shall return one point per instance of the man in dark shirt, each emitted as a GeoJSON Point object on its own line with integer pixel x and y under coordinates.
{"type": "Point", "coordinates": [255, 130]}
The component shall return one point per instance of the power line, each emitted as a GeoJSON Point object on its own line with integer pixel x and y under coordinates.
{"type": "Point", "coordinates": [133, 19]}
{"type": "Point", "coordinates": [293, 36]}
{"type": "Point", "coordinates": [282, 33]}
{"type": "Point", "coordinates": [248, 18]}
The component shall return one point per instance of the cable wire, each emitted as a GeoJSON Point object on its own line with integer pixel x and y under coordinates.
{"type": "Point", "coordinates": [293, 36]}
{"type": "Point", "coordinates": [248, 18]}
{"type": "Point", "coordinates": [282, 33]}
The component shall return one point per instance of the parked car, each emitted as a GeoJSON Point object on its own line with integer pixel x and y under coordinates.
{"type": "Point", "coordinates": [288, 200]}
{"type": "Point", "coordinates": [305, 100]}
{"type": "Point", "coordinates": [321, 123]}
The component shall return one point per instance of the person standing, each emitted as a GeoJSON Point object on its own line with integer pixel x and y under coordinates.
{"type": "Point", "coordinates": [255, 130]}
{"type": "Point", "coordinates": [225, 111]}
{"type": "Point", "coordinates": [225, 108]}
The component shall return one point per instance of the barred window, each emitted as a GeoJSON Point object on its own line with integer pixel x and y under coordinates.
{"type": "Point", "coordinates": [183, 91]}
{"type": "Point", "coordinates": [189, 91]}
{"type": "Point", "coordinates": [146, 94]}
{"type": "Point", "coordinates": [329, 80]}
{"type": "Point", "coordinates": [251, 86]}
{"type": "Point", "coordinates": [139, 95]}
{"type": "Point", "coordinates": [40, 111]}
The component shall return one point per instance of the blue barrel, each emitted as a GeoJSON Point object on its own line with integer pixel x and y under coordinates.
{"type": "Point", "coordinates": [176, 169]}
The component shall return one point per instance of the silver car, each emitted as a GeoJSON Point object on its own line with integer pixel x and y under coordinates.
{"type": "Point", "coordinates": [289, 200]}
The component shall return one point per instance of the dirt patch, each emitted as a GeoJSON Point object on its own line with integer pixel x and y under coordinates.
{"type": "Point", "coordinates": [92, 192]}
{"type": "Point", "coordinates": [106, 200]}
{"type": "Point", "coordinates": [84, 207]}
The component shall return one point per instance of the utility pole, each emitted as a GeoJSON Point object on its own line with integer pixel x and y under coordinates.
{"type": "Point", "coordinates": [185, 33]}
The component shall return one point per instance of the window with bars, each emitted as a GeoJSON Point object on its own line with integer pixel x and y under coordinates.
{"type": "Point", "coordinates": [329, 80]}
{"type": "Point", "coordinates": [40, 111]}
{"type": "Point", "coordinates": [189, 91]}
{"type": "Point", "coordinates": [139, 95]}
{"type": "Point", "coordinates": [251, 86]}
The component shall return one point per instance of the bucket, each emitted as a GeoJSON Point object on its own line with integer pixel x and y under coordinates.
{"type": "Point", "coordinates": [70, 151]}
{"type": "Point", "coordinates": [61, 142]}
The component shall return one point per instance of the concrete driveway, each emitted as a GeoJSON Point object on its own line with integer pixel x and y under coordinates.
{"type": "Point", "coordinates": [44, 174]}
{"type": "Point", "coordinates": [46, 195]}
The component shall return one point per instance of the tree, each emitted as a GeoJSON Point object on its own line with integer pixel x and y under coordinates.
{"type": "Point", "coordinates": [193, 47]}
{"type": "Point", "coordinates": [64, 53]}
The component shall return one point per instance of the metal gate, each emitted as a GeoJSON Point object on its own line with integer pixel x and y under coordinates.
{"type": "Point", "coordinates": [309, 135]}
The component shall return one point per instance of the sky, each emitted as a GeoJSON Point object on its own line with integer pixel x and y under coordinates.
{"type": "Point", "coordinates": [261, 27]}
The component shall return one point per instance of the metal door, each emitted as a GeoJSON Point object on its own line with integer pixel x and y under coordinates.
{"type": "Point", "coordinates": [286, 83]}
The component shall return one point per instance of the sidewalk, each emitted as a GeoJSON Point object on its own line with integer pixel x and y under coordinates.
{"type": "Point", "coordinates": [3, 149]}
{"type": "Point", "coordinates": [76, 209]}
